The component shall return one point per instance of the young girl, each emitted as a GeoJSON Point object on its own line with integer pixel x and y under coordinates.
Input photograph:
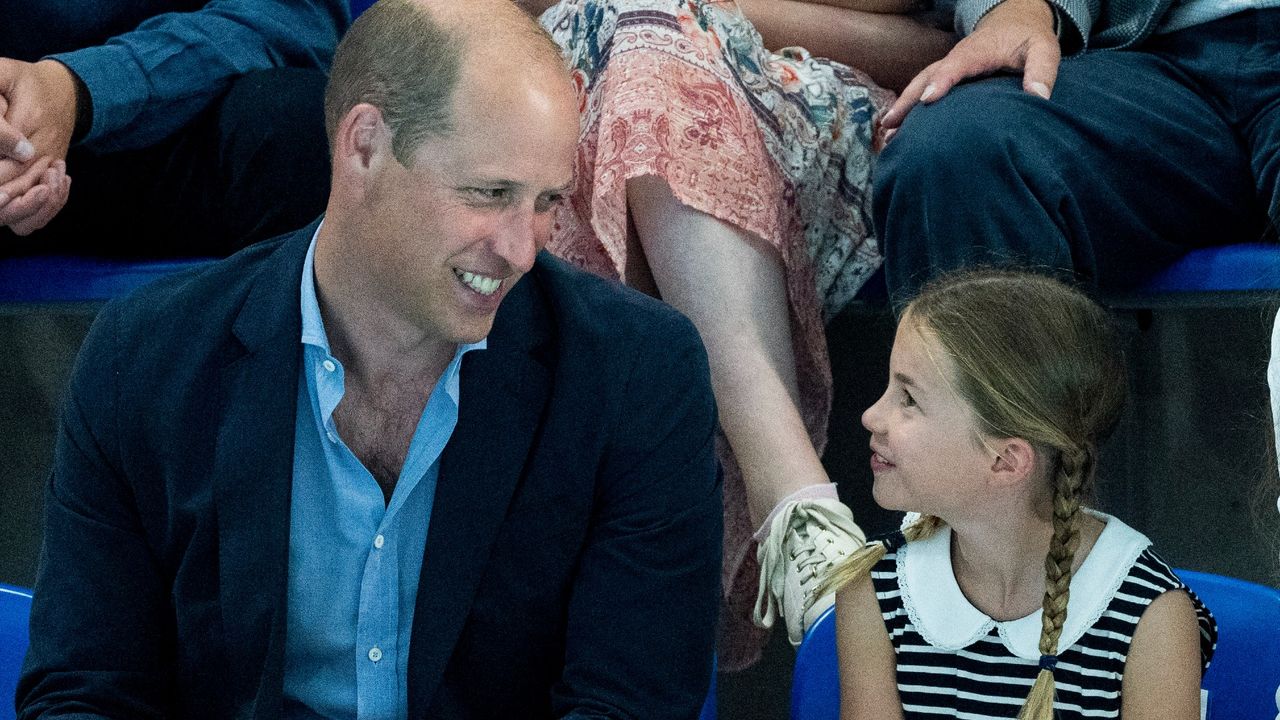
{"type": "Point", "coordinates": [1005, 597]}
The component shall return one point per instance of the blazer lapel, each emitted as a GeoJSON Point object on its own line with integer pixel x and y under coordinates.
{"type": "Point", "coordinates": [504, 391]}
{"type": "Point", "coordinates": [253, 470]}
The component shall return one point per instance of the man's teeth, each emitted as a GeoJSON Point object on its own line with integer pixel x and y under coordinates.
{"type": "Point", "coordinates": [479, 283]}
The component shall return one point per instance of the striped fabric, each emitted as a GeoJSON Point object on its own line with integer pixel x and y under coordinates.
{"type": "Point", "coordinates": [986, 680]}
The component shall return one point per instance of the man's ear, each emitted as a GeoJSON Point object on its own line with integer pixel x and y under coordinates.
{"type": "Point", "coordinates": [361, 141]}
{"type": "Point", "coordinates": [1015, 461]}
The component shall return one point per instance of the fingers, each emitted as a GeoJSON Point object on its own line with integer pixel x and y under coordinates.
{"type": "Point", "coordinates": [29, 178]}
{"type": "Point", "coordinates": [1041, 67]}
{"type": "Point", "coordinates": [54, 203]}
{"type": "Point", "coordinates": [25, 210]}
{"type": "Point", "coordinates": [908, 99]}
{"type": "Point", "coordinates": [14, 144]}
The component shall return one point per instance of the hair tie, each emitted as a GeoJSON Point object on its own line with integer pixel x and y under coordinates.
{"type": "Point", "coordinates": [893, 541]}
{"type": "Point", "coordinates": [1048, 662]}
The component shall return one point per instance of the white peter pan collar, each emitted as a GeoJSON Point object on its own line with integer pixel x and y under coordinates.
{"type": "Point", "coordinates": [947, 620]}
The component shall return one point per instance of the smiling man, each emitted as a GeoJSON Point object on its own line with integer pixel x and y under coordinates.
{"type": "Point", "coordinates": [400, 463]}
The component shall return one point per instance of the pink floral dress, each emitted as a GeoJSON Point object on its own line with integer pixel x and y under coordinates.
{"type": "Point", "coordinates": [778, 145]}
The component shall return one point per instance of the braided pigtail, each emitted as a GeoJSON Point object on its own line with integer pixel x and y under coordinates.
{"type": "Point", "coordinates": [1075, 467]}
{"type": "Point", "coordinates": [860, 563]}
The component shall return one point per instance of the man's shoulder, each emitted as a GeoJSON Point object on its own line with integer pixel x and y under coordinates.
{"type": "Point", "coordinates": [201, 304]}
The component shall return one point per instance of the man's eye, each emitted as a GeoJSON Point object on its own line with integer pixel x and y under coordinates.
{"type": "Point", "coordinates": [547, 202]}
{"type": "Point", "coordinates": [488, 193]}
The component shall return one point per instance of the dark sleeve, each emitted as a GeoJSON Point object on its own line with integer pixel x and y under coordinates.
{"type": "Point", "coordinates": [101, 630]}
{"type": "Point", "coordinates": [642, 616]}
{"type": "Point", "coordinates": [148, 83]}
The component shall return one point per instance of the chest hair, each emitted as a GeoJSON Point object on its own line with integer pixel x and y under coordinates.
{"type": "Point", "coordinates": [378, 423]}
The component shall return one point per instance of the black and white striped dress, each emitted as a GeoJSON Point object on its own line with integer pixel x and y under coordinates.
{"type": "Point", "coordinates": [954, 661]}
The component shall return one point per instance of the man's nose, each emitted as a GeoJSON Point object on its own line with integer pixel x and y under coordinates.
{"type": "Point", "coordinates": [523, 232]}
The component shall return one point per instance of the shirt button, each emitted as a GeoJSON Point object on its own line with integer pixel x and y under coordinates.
{"type": "Point", "coordinates": [328, 365]}
{"type": "Point", "coordinates": [378, 541]}
{"type": "Point", "coordinates": [375, 654]}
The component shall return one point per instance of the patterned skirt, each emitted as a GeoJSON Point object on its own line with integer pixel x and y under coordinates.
{"type": "Point", "coordinates": [776, 144]}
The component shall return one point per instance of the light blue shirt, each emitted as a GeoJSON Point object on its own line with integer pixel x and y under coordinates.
{"type": "Point", "coordinates": [354, 560]}
{"type": "Point", "coordinates": [1188, 13]}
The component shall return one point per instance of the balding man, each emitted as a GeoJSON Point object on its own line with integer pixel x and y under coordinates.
{"type": "Point", "coordinates": [399, 463]}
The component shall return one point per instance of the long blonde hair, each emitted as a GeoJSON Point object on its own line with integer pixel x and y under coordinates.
{"type": "Point", "coordinates": [1037, 360]}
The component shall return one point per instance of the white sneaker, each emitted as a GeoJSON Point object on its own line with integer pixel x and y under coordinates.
{"type": "Point", "coordinates": [806, 540]}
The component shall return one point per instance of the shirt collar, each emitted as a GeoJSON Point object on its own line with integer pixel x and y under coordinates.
{"type": "Point", "coordinates": [947, 620]}
{"type": "Point", "coordinates": [313, 332]}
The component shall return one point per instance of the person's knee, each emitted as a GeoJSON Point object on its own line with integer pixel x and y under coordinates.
{"type": "Point", "coordinates": [971, 134]}
{"type": "Point", "coordinates": [960, 185]}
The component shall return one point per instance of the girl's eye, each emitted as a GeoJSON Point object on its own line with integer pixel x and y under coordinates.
{"type": "Point", "coordinates": [907, 400]}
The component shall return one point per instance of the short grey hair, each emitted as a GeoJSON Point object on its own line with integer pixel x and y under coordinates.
{"type": "Point", "coordinates": [401, 58]}
{"type": "Point", "coordinates": [398, 58]}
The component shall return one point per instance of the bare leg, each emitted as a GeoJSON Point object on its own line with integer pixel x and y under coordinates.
{"type": "Point", "coordinates": [731, 285]}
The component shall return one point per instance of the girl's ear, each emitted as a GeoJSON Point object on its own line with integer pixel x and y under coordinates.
{"type": "Point", "coordinates": [1015, 461]}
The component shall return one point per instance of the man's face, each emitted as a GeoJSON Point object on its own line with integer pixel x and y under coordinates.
{"type": "Point", "coordinates": [453, 232]}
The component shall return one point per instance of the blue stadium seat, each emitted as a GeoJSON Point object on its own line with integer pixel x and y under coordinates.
{"type": "Point", "coordinates": [69, 278]}
{"type": "Point", "coordinates": [1244, 677]}
{"type": "Point", "coordinates": [1242, 681]}
{"type": "Point", "coordinates": [1228, 275]}
{"type": "Point", "coordinates": [15, 608]}
{"type": "Point", "coordinates": [815, 682]}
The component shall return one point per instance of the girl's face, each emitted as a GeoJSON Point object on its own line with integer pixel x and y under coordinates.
{"type": "Point", "coordinates": [926, 455]}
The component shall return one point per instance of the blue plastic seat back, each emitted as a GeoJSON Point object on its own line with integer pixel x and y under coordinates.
{"type": "Point", "coordinates": [1243, 678]}
{"type": "Point", "coordinates": [15, 609]}
{"type": "Point", "coordinates": [70, 278]}
{"type": "Point", "coordinates": [815, 684]}
{"type": "Point", "coordinates": [1243, 266]}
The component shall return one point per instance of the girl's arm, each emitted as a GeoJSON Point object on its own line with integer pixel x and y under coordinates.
{"type": "Point", "coordinates": [868, 667]}
{"type": "Point", "coordinates": [891, 48]}
{"type": "Point", "coordinates": [1162, 674]}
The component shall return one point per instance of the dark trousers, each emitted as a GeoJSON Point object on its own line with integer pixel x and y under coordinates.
{"type": "Point", "coordinates": [1139, 156]}
{"type": "Point", "coordinates": [254, 165]}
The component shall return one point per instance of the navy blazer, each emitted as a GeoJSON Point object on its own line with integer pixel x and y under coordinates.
{"type": "Point", "coordinates": [572, 563]}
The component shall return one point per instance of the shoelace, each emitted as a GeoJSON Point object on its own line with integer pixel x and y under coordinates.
{"type": "Point", "coordinates": [814, 524]}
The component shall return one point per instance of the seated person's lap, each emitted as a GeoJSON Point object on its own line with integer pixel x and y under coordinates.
{"type": "Point", "coordinates": [1127, 165]}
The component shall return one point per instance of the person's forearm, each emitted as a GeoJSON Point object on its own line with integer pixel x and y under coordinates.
{"type": "Point", "coordinates": [149, 82]}
{"type": "Point", "coordinates": [892, 49]}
